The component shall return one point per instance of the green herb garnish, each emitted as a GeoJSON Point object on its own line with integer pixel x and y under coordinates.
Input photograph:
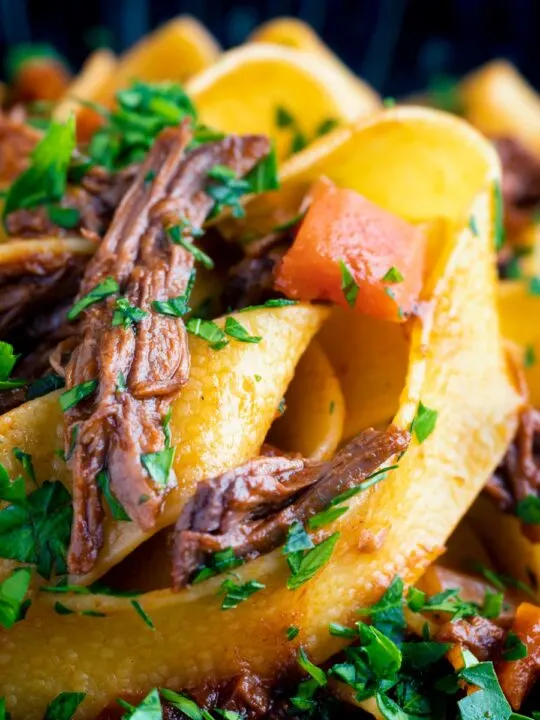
{"type": "Point", "coordinates": [292, 632]}
{"type": "Point", "coordinates": [237, 331]}
{"type": "Point", "coordinates": [424, 422]}
{"type": "Point", "coordinates": [158, 465]}
{"type": "Point", "coordinates": [528, 510]}
{"type": "Point", "coordinates": [498, 213]}
{"type": "Point", "coordinates": [64, 706]}
{"type": "Point", "coordinates": [178, 306]}
{"type": "Point", "coordinates": [529, 358]}
{"type": "Point", "coordinates": [25, 460]}
{"type": "Point", "coordinates": [116, 508]}
{"type": "Point", "coordinates": [218, 562]}
{"type": "Point", "coordinates": [102, 290]}
{"type": "Point", "coordinates": [143, 614]}
{"type": "Point", "coordinates": [209, 331]}
{"type": "Point", "coordinates": [236, 592]}
{"type": "Point", "coordinates": [348, 284]}
{"type": "Point", "coordinates": [13, 589]}
{"type": "Point", "coordinates": [65, 217]}
{"type": "Point", "coordinates": [326, 517]}
{"type": "Point", "coordinates": [7, 363]}
{"type": "Point", "coordinates": [126, 314]}
{"type": "Point", "coordinates": [393, 275]}
{"type": "Point", "coordinates": [45, 385]}
{"type": "Point", "coordinates": [77, 393]}
{"type": "Point", "coordinates": [304, 564]}
{"type": "Point", "coordinates": [177, 236]}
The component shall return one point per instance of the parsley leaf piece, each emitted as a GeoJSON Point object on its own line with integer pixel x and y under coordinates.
{"type": "Point", "coordinates": [7, 363]}
{"type": "Point", "coordinates": [148, 709]}
{"type": "Point", "coordinates": [143, 111]}
{"type": "Point", "coordinates": [38, 532]}
{"type": "Point", "coordinates": [348, 284]}
{"type": "Point", "coordinates": [115, 507]}
{"type": "Point", "coordinates": [187, 706]}
{"type": "Point", "coordinates": [26, 461]}
{"type": "Point", "coordinates": [14, 492]}
{"type": "Point", "coordinates": [326, 126]}
{"type": "Point", "coordinates": [142, 612]}
{"type": "Point", "coordinates": [65, 217]}
{"type": "Point", "coordinates": [264, 175]}
{"type": "Point", "coordinates": [74, 395]}
{"type": "Point", "coordinates": [528, 510]}
{"type": "Point", "coordinates": [121, 382]}
{"type": "Point", "coordinates": [235, 593]}
{"type": "Point", "coordinates": [421, 655]}
{"type": "Point", "coordinates": [283, 117]}
{"type": "Point", "coordinates": [493, 604]}
{"type": "Point", "coordinates": [292, 632]}
{"type": "Point", "coordinates": [102, 290]}
{"type": "Point", "coordinates": [158, 465]}
{"type": "Point", "coordinates": [305, 693]}
{"type": "Point", "coordinates": [342, 631]}
{"type": "Point", "coordinates": [288, 224]}
{"type": "Point", "coordinates": [126, 314]}
{"type": "Point", "coordinates": [393, 275]}
{"type": "Point", "coordinates": [325, 517]}
{"type": "Point", "coordinates": [166, 424]}
{"type": "Point", "coordinates": [44, 385]}
{"type": "Point", "coordinates": [64, 706]}
{"type": "Point", "coordinates": [389, 102]}
{"type": "Point", "coordinates": [62, 609]}
{"type": "Point", "coordinates": [498, 213]}
{"type": "Point", "coordinates": [416, 599]}
{"type": "Point", "coordinates": [473, 226]}
{"type": "Point", "coordinates": [371, 480]}
{"type": "Point", "coordinates": [424, 422]}
{"type": "Point", "coordinates": [12, 593]}
{"type": "Point", "coordinates": [177, 236]}
{"type": "Point", "coordinates": [272, 303]}
{"type": "Point", "coordinates": [316, 673]}
{"type": "Point", "coordinates": [489, 700]}
{"type": "Point", "coordinates": [381, 652]}
{"type": "Point", "coordinates": [218, 562]}
{"type": "Point", "coordinates": [297, 539]}
{"type": "Point", "coordinates": [178, 306]}
{"type": "Point", "coordinates": [529, 358]}
{"type": "Point", "coordinates": [534, 286]}
{"type": "Point", "coordinates": [237, 331]}
{"type": "Point", "coordinates": [226, 191]}
{"type": "Point", "coordinates": [386, 614]}
{"type": "Point", "coordinates": [311, 562]}
{"type": "Point", "coordinates": [514, 648]}
{"type": "Point", "coordinates": [4, 715]}
{"type": "Point", "coordinates": [450, 601]}
{"type": "Point", "coordinates": [209, 331]}
{"type": "Point", "coordinates": [46, 178]}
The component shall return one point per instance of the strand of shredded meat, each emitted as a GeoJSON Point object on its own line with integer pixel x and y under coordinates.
{"type": "Point", "coordinates": [17, 140]}
{"type": "Point", "coordinates": [251, 508]}
{"type": "Point", "coordinates": [518, 476]}
{"type": "Point", "coordinates": [116, 428]}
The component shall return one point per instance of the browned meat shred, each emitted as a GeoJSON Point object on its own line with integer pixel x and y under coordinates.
{"type": "Point", "coordinates": [518, 476]}
{"type": "Point", "coordinates": [520, 182]}
{"type": "Point", "coordinates": [116, 428]}
{"type": "Point", "coordinates": [478, 634]}
{"type": "Point", "coordinates": [251, 508]}
{"type": "Point", "coordinates": [96, 200]}
{"type": "Point", "coordinates": [17, 140]}
{"type": "Point", "coordinates": [251, 281]}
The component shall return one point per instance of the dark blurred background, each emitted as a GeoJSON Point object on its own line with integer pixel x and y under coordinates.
{"type": "Point", "coordinates": [399, 46]}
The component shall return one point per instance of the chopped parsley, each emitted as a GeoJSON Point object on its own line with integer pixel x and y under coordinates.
{"type": "Point", "coordinates": [303, 557]}
{"type": "Point", "coordinates": [393, 275]}
{"type": "Point", "coordinates": [65, 217]}
{"type": "Point", "coordinates": [534, 286]}
{"type": "Point", "coordinates": [186, 706]}
{"type": "Point", "coordinates": [126, 314]}
{"type": "Point", "coordinates": [209, 331]}
{"type": "Point", "coordinates": [11, 491]}
{"type": "Point", "coordinates": [142, 112]}
{"type": "Point", "coordinates": [424, 422]}
{"type": "Point", "coordinates": [315, 672]}
{"type": "Point", "coordinates": [272, 303]}
{"type": "Point", "coordinates": [473, 226]}
{"type": "Point", "coordinates": [178, 306]}
{"type": "Point", "coordinates": [389, 102]}
{"type": "Point", "coordinates": [116, 508]}
{"type": "Point", "coordinates": [514, 648]}
{"type": "Point", "coordinates": [37, 530]}
{"type": "Point", "coordinates": [176, 233]}
{"type": "Point", "coordinates": [264, 175]}
{"type": "Point", "coordinates": [326, 126]}
{"type": "Point", "coordinates": [326, 517]}
{"type": "Point", "coordinates": [386, 614]}
{"type": "Point", "coordinates": [292, 632]}
{"type": "Point", "coordinates": [493, 604]}
{"type": "Point", "coordinates": [217, 563]}
{"type": "Point", "coordinates": [498, 212]}
{"type": "Point", "coordinates": [13, 589]}
{"type": "Point", "coordinates": [348, 284]}
{"type": "Point", "coordinates": [143, 614]}
{"type": "Point", "coordinates": [371, 480]}
{"type": "Point", "coordinates": [226, 189]}
{"type": "Point", "coordinates": [166, 424]}
{"type": "Point", "coordinates": [77, 393]}
{"type": "Point", "coordinates": [529, 357]}
{"type": "Point", "coordinates": [528, 510]}
{"type": "Point", "coordinates": [237, 592]}
{"type": "Point", "coordinates": [64, 706]}
{"type": "Point", "coordinates": [237, 331]}
{"type": "Point", "coordinates": [102, 290]}
{"type": "Point", "coordinates": [45, 181]}
{"type": "Point", "coordinates": [285, 120]}
{"type": "Point", "coordinates": [7, 363]}
{"type": "Point", "coordinates": [148, 709]}
{"type": "Point", "coordinates": [288, 224]}
{"type": "Point", "coordinates": [25, 460]}
{"type": "Point", "coordinates": [488, 700]}
{"type": "Point", "coordinates": [158, 465]}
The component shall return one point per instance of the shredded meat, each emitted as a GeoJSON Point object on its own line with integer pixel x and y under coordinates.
{"type": "Point", "coordinates": [251, 507]}
{"type": "Point", "coordinates": [480, 635]}
{"type": "Point", "coordinates": [116, 428]}
{"type": "Point", "coordinates": [17, 140]}
{"type": "Point", "coordinates": [251, 281]}
{"type": "Point", "coordinates": [96, 200]}
{"type": "Point", "coordinates": [520, 183]}
{"type": "Point", "coordinates": [518, 476]}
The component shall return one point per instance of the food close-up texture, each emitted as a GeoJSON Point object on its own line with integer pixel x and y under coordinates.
{"type": "Point", "coordinates": [269, 386]}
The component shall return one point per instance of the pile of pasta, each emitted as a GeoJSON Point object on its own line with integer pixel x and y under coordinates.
{"type": "Point", "coordinates": [414, 551]}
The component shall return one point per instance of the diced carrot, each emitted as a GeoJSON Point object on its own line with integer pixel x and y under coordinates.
{"type": "Point", "coordinates": [352, 252]}
{"type": "Point", "coordinates": [518, 676]}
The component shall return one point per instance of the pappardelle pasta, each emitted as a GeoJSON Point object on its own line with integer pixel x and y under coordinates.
{"type": "Point", "coordinates": [261, 386]}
